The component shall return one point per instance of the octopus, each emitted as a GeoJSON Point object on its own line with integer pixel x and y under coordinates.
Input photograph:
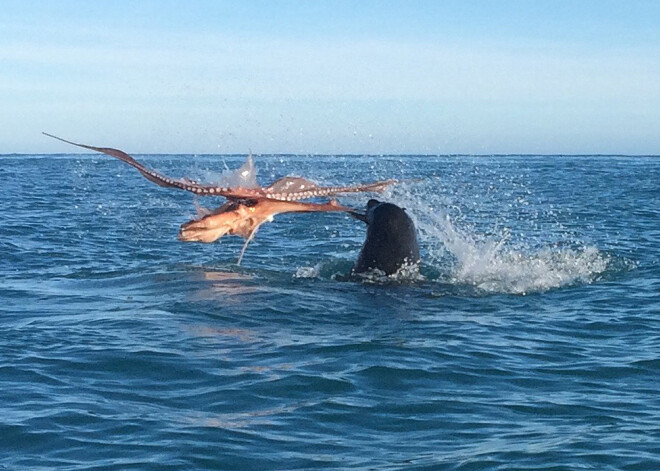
{"type": "Point", "coordinates": [247, 208]}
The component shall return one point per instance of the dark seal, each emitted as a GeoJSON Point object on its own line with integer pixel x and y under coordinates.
{"type": "Point", "coordinates": [391, 241]}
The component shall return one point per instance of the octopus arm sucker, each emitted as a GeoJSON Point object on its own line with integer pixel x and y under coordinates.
{"type": "Point", "coordinates": [307, 189]}
{"type": "Point", "coordinates": [151, 175]}
{"type": "Point", "coordinates": [334, 190]}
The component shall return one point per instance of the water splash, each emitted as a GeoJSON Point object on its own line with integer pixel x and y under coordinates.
{"type": "Point", "coordinates": [245, 176]}
{"type": "Point", "coordinates": [408, 273]}
{"type": "Point", "coordinates": [309, 272]}
{"type": "Point", "coordinates": [494, 263]}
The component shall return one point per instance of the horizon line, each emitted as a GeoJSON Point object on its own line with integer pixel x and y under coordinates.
{"type": "Point", "coordinates": [350, 154]}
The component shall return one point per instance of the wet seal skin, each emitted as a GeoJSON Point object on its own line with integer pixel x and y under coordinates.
{"type": "Point", "coordinates": [391, 242]}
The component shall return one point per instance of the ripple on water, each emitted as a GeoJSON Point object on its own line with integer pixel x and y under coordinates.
{"type": "Point", "coordinates": [124, 349]}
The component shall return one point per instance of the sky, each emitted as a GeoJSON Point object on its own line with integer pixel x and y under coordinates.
{"type": "Point", "coordinates": [332, 77]}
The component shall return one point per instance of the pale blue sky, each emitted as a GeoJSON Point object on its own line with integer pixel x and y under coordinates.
{"type": "Point", "coordinates": [332, 77]}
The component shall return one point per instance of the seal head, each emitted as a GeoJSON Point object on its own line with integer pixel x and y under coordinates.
{"type": "Point", "coordinates": [391, 241]}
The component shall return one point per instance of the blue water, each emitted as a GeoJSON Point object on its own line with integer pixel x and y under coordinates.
{"type": "Point", "coordinates": [531, 342]}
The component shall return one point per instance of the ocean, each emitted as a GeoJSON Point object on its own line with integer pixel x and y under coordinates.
{"type": "Point", "coordinates": [529, 341]}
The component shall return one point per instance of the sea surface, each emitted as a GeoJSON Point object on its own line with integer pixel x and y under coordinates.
{"type": "Point", "coordinates": [529, 341]}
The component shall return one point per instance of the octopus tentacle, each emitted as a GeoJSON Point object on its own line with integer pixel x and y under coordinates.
{"type": "Point", "coordinates": [284, 189]}
{"type": "Point", "coordinates": [152, 176]}
{"type": "Point", "coordinates": [248, 239]}
{"type": "Point", "coordinates": [321, 191]}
